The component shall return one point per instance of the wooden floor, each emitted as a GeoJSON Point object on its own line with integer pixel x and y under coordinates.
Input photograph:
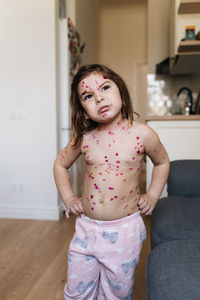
{"type": "Point", "coordinates": [33, 259]}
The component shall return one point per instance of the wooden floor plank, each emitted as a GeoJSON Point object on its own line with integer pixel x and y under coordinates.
{"type": "Point", "coordinates": [33, 259]}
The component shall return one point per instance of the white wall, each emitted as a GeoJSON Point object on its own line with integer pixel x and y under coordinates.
{"type": "Point", "coordinates": [158, 32]}
{"type": "Point", "coordinates": [28, 109]}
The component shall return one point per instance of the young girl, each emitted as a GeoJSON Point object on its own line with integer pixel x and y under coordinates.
{"type": "Point", "coordinates": [104, 251]}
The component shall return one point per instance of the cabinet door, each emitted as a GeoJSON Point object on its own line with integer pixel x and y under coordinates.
{"type": "Point", "coordinates": [181, 140]}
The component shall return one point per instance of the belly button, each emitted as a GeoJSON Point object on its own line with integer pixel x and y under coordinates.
{"type": "Point", "coordinates": [100, 201]}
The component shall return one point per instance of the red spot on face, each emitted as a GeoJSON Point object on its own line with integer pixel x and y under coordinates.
{"type": "Point", "coordinates": [111, 188]}
{"type": "Point", "coordinates": [116, 154]}
{"type": "Point", "coordinates": [137, 137]}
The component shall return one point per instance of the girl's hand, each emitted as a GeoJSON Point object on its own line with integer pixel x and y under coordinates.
{"type": "Point", "coordinates": [146, 204]}
{"type": "Point", "coordinates": [74, 206]}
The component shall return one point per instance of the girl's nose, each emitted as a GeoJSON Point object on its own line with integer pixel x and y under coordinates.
{"type": "Point", "coordinates": [99, 98]}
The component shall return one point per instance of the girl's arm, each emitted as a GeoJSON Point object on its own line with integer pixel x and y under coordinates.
{"type": "Point", "coordinates": [62, 163]}
{"type": "Point", "coordinates": [158, 155]}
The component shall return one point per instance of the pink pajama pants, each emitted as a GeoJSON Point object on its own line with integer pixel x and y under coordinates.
{"type": "Point", "coordinates": [102, 258]}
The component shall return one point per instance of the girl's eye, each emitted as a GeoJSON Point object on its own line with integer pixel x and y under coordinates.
{"type": "Point", "coordinates": [88, 97]}
{"type": "Point", "coordinates": [106, 87]}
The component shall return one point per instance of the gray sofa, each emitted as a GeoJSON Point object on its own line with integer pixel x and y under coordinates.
{"type": "Point", "coordinates": [173, 269]}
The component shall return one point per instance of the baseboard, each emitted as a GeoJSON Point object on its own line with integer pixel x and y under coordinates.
{"type": "Point", "coordinates": [34, 213]}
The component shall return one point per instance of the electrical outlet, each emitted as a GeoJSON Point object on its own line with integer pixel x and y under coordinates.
{"type": "Point", "coordinates": [17, 114]}
{"type": "Point", "coordinates": [18, 188]}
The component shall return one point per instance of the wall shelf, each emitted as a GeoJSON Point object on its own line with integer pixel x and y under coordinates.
{"type": "Point", "coordinates": [189, 7]}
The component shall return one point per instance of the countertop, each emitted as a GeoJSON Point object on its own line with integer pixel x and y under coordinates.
{"type": "Point", "coordinates": [173, 118]}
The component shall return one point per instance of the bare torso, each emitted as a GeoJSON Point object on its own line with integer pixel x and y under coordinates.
{"type": "Point", "coordinates": [113, 165]}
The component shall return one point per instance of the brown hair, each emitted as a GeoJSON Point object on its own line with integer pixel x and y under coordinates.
{"type": "Point", "coordinates": [81, 125]}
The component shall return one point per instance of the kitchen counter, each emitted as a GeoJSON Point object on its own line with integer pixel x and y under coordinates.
{"type": "Point", "coordinates": [180, 137]}
{"type": "Point", "coordinates": [173, 118]}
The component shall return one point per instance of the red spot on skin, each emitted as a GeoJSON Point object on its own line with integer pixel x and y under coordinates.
{"type": "Point", "coordinates": [116, 154]}
{"type": "Point", "coordinates": [118, 162]}
{"type": "Point", "coordinates": [138, 151]}
{"type": "Point", "coordinates": [94, 203]}
{"type": "Point", "coordinates": [100, 173]}
{"type": "Point", "coordinates": [113, 141]}
{"type": "Point", "coordinates": [115, 197]}
{"type": "Point", "coordinates": [91, 196]}
{"type": "Point", "coordinates": [105, 77]}
{"type": "Point", "coordinates": [125, 206]}
{"type": "Point", "coordinates": [106, 160]}
{"type": "Point", "coordinates": [133, 158]}
{"type": "Point", "coordinates": [104, 115]}
{"type": "Point", "coordinates": [124, 180]}
{"type": "Point", "coordinates": [111, 188]}
{"type": "Point", "coordinates": [105, 156]}
{"type": "Point", "coordinates": [131, 192]}
{"type": "Point", "coordinates": [128, 215]}
{"type": "Point", "coordinates": [92, 208]}
{"type": "Point", "coordinates": [103, 179]}
{"type": "Point", "coordinates": [121, 173]}
{"type": "Point", "coordinates": [111, 199]}
{"type": "Point", "coordinates": [122, 198]}
{"type": "Point", "coordinates": [154, 150]}
{"type": "Point", "coordinates": [116, 174]}
{"type": "Point", "coordinates": [117, 167]}
{"type": "Point", "coordinates": [130, 169]}
{"type": "Point", "coordinates": [137, 137]}
{"type": "Point", "coordinates": [109, 145]}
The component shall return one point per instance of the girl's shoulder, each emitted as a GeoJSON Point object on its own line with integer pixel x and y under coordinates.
{"type": "Point", "coordinates": [142, 130]}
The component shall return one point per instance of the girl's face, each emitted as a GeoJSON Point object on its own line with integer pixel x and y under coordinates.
{"type": "Point", "coordinates": [100, 98]}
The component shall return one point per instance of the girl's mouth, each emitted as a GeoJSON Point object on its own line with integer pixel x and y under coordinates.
{"type": "Point", "coordinates": [103, 109]}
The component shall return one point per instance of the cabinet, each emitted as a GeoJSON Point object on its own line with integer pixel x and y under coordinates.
{"type": "Point", "coordinates": [179, 137]}
{"type": "Point", "coordinates": [184, 55]}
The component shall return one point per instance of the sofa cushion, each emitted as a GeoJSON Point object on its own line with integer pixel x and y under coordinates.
{"type": "Point", "coordinates": [175, 218]}
{"type": "Point", "coordinates": [173, 271]}
{"type": "Point", "coordinates": [184, 178]}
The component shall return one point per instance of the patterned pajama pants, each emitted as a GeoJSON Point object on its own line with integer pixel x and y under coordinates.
{"type": "Point", "coordinates": [102, 258]}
